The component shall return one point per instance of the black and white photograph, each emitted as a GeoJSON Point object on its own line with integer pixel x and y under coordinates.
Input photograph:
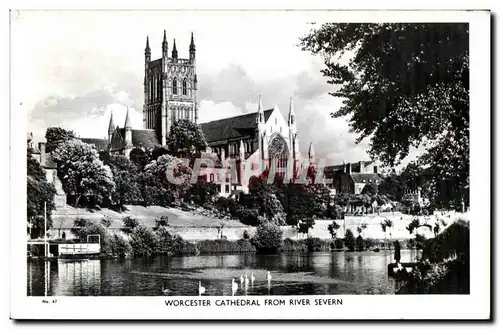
{"type": "Point", "coordinates": [248, 159]}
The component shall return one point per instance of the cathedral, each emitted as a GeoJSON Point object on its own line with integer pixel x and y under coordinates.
{"type": "Point", "coordinates": [254, 140]}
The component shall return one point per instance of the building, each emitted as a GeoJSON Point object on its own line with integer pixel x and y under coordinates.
{"type": "Point", "coordinates": [352, 177]}
{"type": "Point", "coordinates": [242, 146]}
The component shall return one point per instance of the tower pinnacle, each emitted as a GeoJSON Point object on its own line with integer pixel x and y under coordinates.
{"type": "Point", "coordinates": [128, 125]}
{"type": "Point", "coordinates": [174, 51]}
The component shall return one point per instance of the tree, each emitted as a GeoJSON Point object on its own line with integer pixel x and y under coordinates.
{"type": "Point", "coordinates": [129, 224]}
{"type": "Point", "coordinates": [172, 173]}
{"type": "Point", "coordinates": [332, 228]}
{"type": "Point", "coordinates": [139, 157]}
{"type": "Point", "coordinates": [81, 172]}
{"type": "Point", "coordinates": [125, 178]}
{"type": "Point", "coordinates": [392, 187]}
{"type": "Point", "coordinates": [369, 189]}
{"type": "Point", "coordinates": [40, 194]}
{"type": "Point", "coordinates": [360, 243]}
{"type": "Point", "coordinates": [267, 237]}
{"type": "Point", "coordinates": [56, 136]}
{"type": "Point", "coordinates": [349, 240]}
{"type": "Point", "coordinates": [404, 85]}
{"type": "Point", "coordinates": [186, 137]}
{"type": "Point", "coordinates": [202, 193]}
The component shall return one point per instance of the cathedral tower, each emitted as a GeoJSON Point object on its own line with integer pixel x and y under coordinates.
{"type": "Point", "coordinates": [170, 89]}
{"type": "Point", "coordinates": [293, 141]}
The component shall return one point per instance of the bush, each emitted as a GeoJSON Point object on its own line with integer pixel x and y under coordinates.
{"type": "Point", "coordinates": [144, 242]}
{"type": "Point", "coordinates": [316, 244]}
{"type": "Point", "coordinates": [247, 216]}
{"type": "Point", "coordinates": [218, 246]}
{"type": "Point", "coordinates": [119, 246]}
{"type": "Point", "coordinates": [349, 240]}
{"type": "Point", "coordinates": [162, 221]}
{"type": "Point", "coordinates": [129, 224]}
{"type": "Point", "coordinates": [360, 243]}
{"type": "Point", "coordinates": [290, 245]}
{"type": "Point", "coordinates": [338, 244]}
{"type": "Point", "coordinates": [268, 237]}
{"type": "Point", "coordinates": [246, 235]}
{"type": "Point", "coordinates": [96, 229]}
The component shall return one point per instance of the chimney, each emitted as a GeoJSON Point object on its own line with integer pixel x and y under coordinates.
{"type": "Point", "coordinates": [348, 168]}
{"type": "Point", "coordinates": [375, 169]}
{"type": "Point", "coordinates": [41, 147]}
{"type": "Point", "coordinates": [361, 166]}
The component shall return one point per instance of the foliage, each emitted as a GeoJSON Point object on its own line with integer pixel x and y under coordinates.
{"type": "Point", "coordinates": [217, 246]}
{"type": "Point", "coordinates": [173, 175]}
{"type": "Point", "coordinates": [202, 193]}
{"type": "Point", "coordinates": [247, 216]}
{"type": "Point", "coordinates": [360, 243]}
{"type": "Point", "coordinates": [167, 243]}
{"type": "Point", "coordinates": [56, 136]}
{"type": "Point", "coordinates": [316, 244]}
{"type": "Point", "coordinates": [144, 242]}
{"type": "Point", "coordinates": [90, 228]}
{"type": "Point", "coordinates": [290, 245]}
{"type": "Point", "coordinates": [349, 240]}
{"type": "Point", "coordinates": [186, 137]}
{"type": "Point", "coordinates": [78, 225]}
{"type": "Point", "coordinates": [139, 158]}
{"type": "Point", "coordinates": [402, 91]}
{"type": "Point", "coordinates": [392, 186]}
{"type": "Point", "coordinates": [81, 172]}
{"type": "Point", "coordinates": [369, 189]}
{"type": "Point", "coordinates": [332, 228]}
{"type": "Point", "coordinates": [120, 247]}
{"type": "Point", "coordinates": [125, 178]}
{"type": "Point", "coordinates": [40, 194]}
{"type": "Point", "coordinates": [159, 222]}
{"type": "Point", "coordinates": [267, 237]}
{"type": "Point", "coordinates": [157, 152]}
{"type": "Point", "coordinates": [338, 244]}
{"type": "Point", "coordinates": [129, 224]}
{"type": "Point", "coordinates": [453, 241]}
{"type": "Point", "coordinates": [106, 222]}
{"type": "Point", "coordinates": [246, 235]}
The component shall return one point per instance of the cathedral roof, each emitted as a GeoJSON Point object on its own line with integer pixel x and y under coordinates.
{"type": "Point", "coordinates": [99, 143]}
{"type": "Point", "coordinates": [145, 138]}
{"type": "Point", "coordinates": [234, 127]}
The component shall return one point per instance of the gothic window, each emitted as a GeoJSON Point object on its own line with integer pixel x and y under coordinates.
{"type": "Point", "coordinates": [276, 121]}
{"type": "Point", "coordinates": [277, 147]}
{"type": "Point", "coordinates": [184, 87]}
{"type": "Point", "coordinates": [174, 86]}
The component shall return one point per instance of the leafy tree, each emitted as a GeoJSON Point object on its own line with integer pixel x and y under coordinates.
{"type": "Point", "coordinates": [172, 173]}
{"type": "Point", "coordinates": [55, 136]}
{"type": "Point", "coordinates": [144, 242]}
{"type": "Point", "coordinates": [139, 157]}
{"type": "Point", "coordinates": [129, 224]}
{"type": "Point", "coordinates": [369, 189]}
{"type": "Point", "coordinates": [106, 222]}
{"type": "Point", "coordinates": [349, 240]}
{"type": "Point", "coordinates": [125, 178]}
{"type": "Point", "coordinates": [40, 194]}
{"type": "Point", "coordinates": [267, 237]}
{"type": "Point", "coordinates": [186, 137]}
{"type": "Point", "coordinates": [81, 172]}
{"type": "Point", "coordinates": [157, 152]}
{"type": "Point", "coordinates": [162, 221]}
{"type": "Point", "coordinates": [360, 243]}
{"type": "Point", "coordinates": [202, 193]}
{"type": "Point", "coordinates": [401, 90]}
{"type": "Point", "coordinates": [392, 187]}
{"type": "Point", "coordinates": [332, 228]}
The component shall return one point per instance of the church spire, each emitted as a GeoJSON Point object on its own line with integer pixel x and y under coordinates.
{"type": "Point", "coordinates": [192, 47]}
{"type": "Point", "coordinates": [174, 51]}
{"type": "Point", "coordinates": [128, 125]}
{"type": "Point", "coordinates": [260, 111]}
{"type": "Point", "coordinates": [147, 51]}
{"type": "Point", "coordinates": [111, 127]}
{"type": "Point", "coordinates": [164, 44]}
{"type": "Point", "coordinates": [311, 151]}
{"type": "Point", "coordinates": [291, 113]}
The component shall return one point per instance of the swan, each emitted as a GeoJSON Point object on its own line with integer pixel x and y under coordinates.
{"type": "Point", "coordinates": [201, 289]}
{"type": "Point", "coordinates": [246, 281]}
{"type": "Point", "coordinates": [252, 278]}
{"type": "Point", "coordinates": [269, 277]}
{"type": "Point", "coordinates": [164, 290]}
{"type": "Point", "coordinates": [234, 287]}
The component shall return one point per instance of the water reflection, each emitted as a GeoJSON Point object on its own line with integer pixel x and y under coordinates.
{"type": "Point", "coordinates": [293, 274]}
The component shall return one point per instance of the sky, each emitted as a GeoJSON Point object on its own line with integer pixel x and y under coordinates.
{"type": "Point", "coordinates": [72, 68]}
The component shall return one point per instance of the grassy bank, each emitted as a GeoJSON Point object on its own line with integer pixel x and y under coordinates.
{"type": "Point", "coordinates": [225, 246]}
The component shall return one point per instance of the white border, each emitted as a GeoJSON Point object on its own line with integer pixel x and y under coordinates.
{"type": "Point", "coordinates": [476, 305]}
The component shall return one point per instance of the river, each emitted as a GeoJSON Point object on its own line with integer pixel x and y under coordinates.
{"type": "Point", "coordinates": [321, 273]}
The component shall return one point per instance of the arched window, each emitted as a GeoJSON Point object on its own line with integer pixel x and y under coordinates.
{"type": "Point", "coordinates": [184, 87]}
{"type": "Point", "coordinates": [174, 86]}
